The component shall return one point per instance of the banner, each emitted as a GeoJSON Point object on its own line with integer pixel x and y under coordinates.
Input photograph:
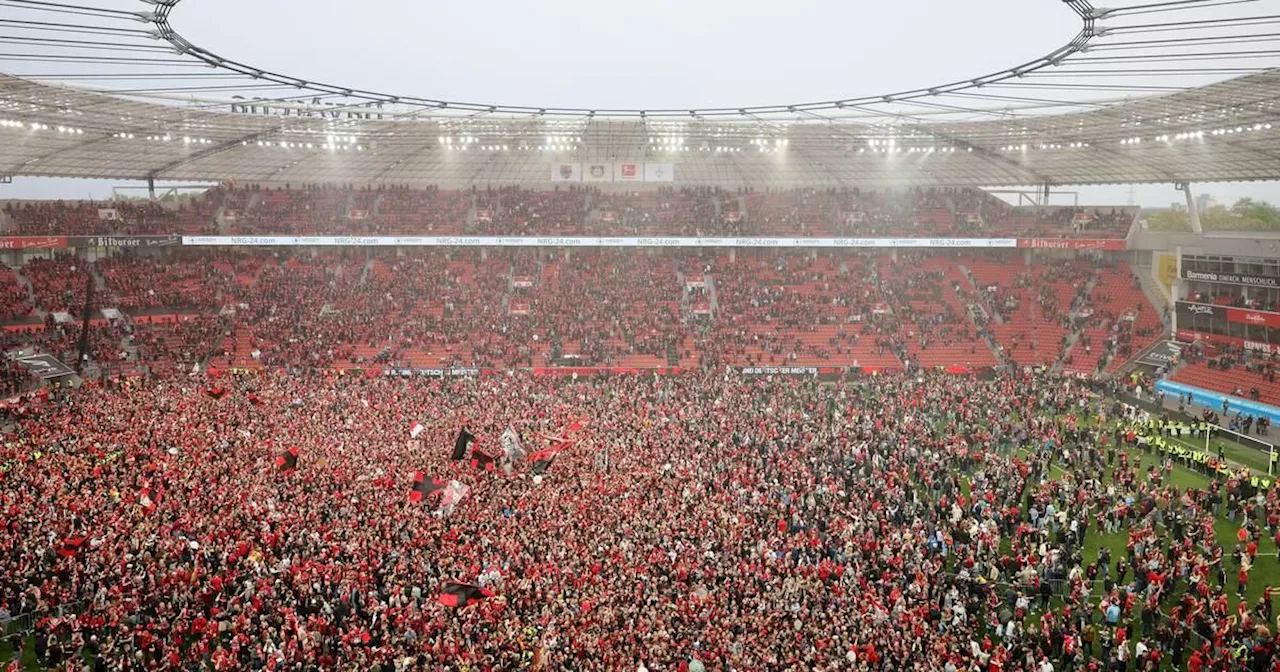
{"type": "Point", "coordinates": [1265, 348]}
{"type": "Point", "coordinates": [108, 214]}
{"type": "Point", "coordinates": [522, 282]}
{"type": "Point", "coordinates": [1191, 336]}
{"type": "Point", "coordinates": [1210, 399]}
{"type": "Point", "coordinates": [45, 366]}
{"type": "Point", "coordinates": [617, 172]}
{"type": "Point", "coordinates": [358, 214]}
{"type": "Point", "coordinates": [566, 172]}
{"type": "Point", "coordinates": [1166, 352]}
{"type": "Point", "coordinates": [1231, 278]}
{"type": "Point", "coordinates": [551, 241]}
{"type": "Point", "coordinates": [1254, 318]}
{"type": "Point", "coordinates": [32, 242]}
{"type": "Point", "coordinates": [597, 172]}
{"type": "Point", "coordinates": [779, 371]}
{"type": "Point", "coordinates": [1257, 318]}
{"type": "Point", "coordinates": [628, 172]}
{"type": "Point", "coordinates": [453, 493]}
{"type": "Point", "coordinates": [659, 172]}
{"type": "Point", "coordinates": [564, 371]}
{"type": "Point", "coordinates": [432, 373]}
{"type": "Point", "coordinates": [1112, 244]}
{"type": "Point", "coordinates": [123, 241]}
{"type": "Point", "coordinates": [1189, 310]}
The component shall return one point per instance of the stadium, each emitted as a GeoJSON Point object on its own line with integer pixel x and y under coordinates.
{"type": "Point", "coordinates": [345, 378]}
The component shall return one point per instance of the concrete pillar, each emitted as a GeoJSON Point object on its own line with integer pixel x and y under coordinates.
{"type": "Point", "coordinates": [1193, 212]}
{"type": "Point", "coordinates": [151, 187]}
{"type": "Point", "coordinates": [1044, 199]}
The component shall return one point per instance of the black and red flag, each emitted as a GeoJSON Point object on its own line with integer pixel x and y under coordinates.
{"type": "Point", "coordinates": [288, 460]}
{"type": "Point", "coordinates": [541, 460]}
{"type": "Point", "coordinates": [422, 488]}
{"type": "Point", "coordinates": [462, 443]}
{"type": "Point", "coordinates": [483, 461]}
{"type": "Point", "coordinates": [216, 392]}
{"type": "Point", "coordinates": [253, 399]}
{"type": "Point", "coordinates": [458, 595]}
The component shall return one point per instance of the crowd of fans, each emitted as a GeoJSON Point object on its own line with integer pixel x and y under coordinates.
{"type": "Point", "coordinates": [616, 308]}
{"type": "Point", "coordinates": [572, 210]}
{"type": "Point", "coordinates": [684, 522]}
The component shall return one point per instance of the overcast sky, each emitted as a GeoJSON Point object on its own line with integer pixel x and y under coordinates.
{"type": "Point", "coordinates": [652, 54]}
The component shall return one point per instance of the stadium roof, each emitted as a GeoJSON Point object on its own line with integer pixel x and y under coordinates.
{"type": "Point", "coordinates": [1196, 101]}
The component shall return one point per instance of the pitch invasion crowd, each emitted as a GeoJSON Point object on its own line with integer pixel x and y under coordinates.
{"type": "Point", "coordinates": [693, 522]}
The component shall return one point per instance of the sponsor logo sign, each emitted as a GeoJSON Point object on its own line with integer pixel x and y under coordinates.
{"type": "Point", "coordinates": [32, 242]}
{"type": "Point", "coordinates": [1231, 278]}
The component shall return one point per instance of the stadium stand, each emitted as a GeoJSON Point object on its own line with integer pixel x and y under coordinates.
{"type": "Point", "coordinates": [577, 210]}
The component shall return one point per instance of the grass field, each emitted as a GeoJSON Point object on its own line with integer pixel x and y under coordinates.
{"type": "Point", "coordinates": [1266, 571]}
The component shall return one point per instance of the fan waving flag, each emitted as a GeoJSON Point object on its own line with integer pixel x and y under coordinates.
{"type": "Point", "coordinates": [462, 443]}
{"type": "Point", "coordinates": [422, 488]}
{"type": "Point", "coordinates": [216, 392]}
{"type": "Point", "coordinates": [288, 460]}
{"type": "Point", "coordinates": [416, 430]}
{"type": "Point", "coordinates": [458, 595]}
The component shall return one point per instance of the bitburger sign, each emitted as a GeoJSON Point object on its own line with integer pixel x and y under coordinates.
{"type": "Point", "coordinates": [124, 241]}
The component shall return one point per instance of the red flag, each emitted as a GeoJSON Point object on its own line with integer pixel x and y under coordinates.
{"type": "Point", "coordinates": [71, 546]}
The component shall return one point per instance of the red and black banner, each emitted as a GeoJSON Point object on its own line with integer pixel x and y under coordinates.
{"type": "Point", "coordinates": [542, 459]}
{"type": "Point", "coordinates": [462, 443]}
{"type": "Point", "coordinates": [483, 461]}
{"type": "Point", "coordinates": [216, 392]}
{"type": "Point", "coordinates": [422, 488]}
{"type": "Point", "coordinates": [288, 460]}
{"type": "Point", "coordinates": [458, 595]}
